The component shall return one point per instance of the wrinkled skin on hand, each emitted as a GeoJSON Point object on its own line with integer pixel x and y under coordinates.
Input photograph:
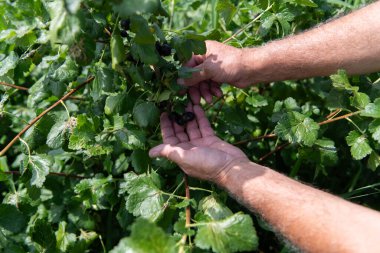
{"type": "Point", "coordinates": [220, 64]}
{"type": "Point", "coordinates": [195, 148]}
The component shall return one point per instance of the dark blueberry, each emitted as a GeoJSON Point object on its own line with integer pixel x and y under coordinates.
{"type": "Point", "coordinates": [188, 116]}
{"type": "Point", "coordinates": [123, 33]}
{"type": "Point", "coordinates": [125, 24]}
{"type": "Point", "coordinates": [173, 116]}
{"type": "Point", "coordinates": [162, 105]}
{"type": "Point", "coordinates": [164, 50]}
{"type": "Point", "coordinates": [180, 121]}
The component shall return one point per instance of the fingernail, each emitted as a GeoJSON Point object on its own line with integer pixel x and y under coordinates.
{"type": "Point", "coordinates": [180, 81]}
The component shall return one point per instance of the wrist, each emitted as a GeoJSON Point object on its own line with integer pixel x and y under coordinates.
{"type": "Point", "coordinates": [229, 170]}
{"type": "Point", "coordinates": [238, 173]}
{"type": "Point", "coordinates": [251, 62]}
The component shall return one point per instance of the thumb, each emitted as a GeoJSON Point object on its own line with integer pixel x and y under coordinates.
{"type": "Point", "coordinates": [197, 76]}
{"type": "Point", "coordinates": [173, 153]}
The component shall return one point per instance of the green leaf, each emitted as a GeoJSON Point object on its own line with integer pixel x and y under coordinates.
{"type": "Point", "coordinates": [114, 104]}
{"type": "Point", "coordinates": [309, 3]}
{"type": "Point", "coordinates": [341, 82]}
{"type": "Point", "coordinates": [374, 128]}
{"type": "Point", "coordinates": [67, 72]}
{"type": "Point", "coordinates": [232, 234]}
{"type": "Point", "coordinates": [297, 128]}
{"type": "Point", "coordinates": [140, 160]}
{"type": "Point", "coordinates": [117, 50]}
{"type": "Point", "coordinates": [11, 218]}
{"type": "Point", "coordinates": [95, 192]}
{"type": "Point", "coordinates": [359, 145]}
{"type": "Point", "coordinates": [140, 26]}
{"type": "Point", "coordinates": [103, 81]}
{"type": "Point", "coordinates": [223, 231]}
{"type": "Point", "coordinates": [8, 63]}
{"type": "Point", "coordinates": [36, 136]}
{"type": "Point", "coordinates": [145, 53]}
{"type": "Point", "coordinates": [373, 161]}
{"type": "Point", "coordinates": [40, 166]}
{"type": "Point", "coordinates": [256, 100]}
{"type": "Point", "coordinates": [83, 134]}
{"type": "Point", "coordinates": [372, 109]}
{"type": "Point", "coordinates": [129, 7]}
{"type": "Point", "coordinates": [64, 27]}
{"type": "Point", "coordinates": [58, 135]}
{"type": "Point", "coordinates": [214, 208]}
{"type": "Point", "coordinates": [146, 114]}
{"type": "Point", "coordinates": [146, 237]}
{"type": "Point", "coordinates": [64, 239]}
{"type": "Point", "coordinates": [226, 9]}
{"type": "Point", "coordinates": [42, 233]}
{"type": "Point", "coordinates": [131, 138]}
{"type": "Point", "coordinates": [144, 195]}
{"type": "Point", "coordinates": [360, 100]}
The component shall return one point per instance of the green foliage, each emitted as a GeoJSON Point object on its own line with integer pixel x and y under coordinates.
{"type": "Point", "coordinates": [81, 177]}
{"type": "Point", "coordinates": [146, 237]}
{"type": "Point", "coordinates": [296, 127]}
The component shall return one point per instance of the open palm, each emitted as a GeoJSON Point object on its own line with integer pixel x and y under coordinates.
{"type": "Point", "coordinates": [195, 148]}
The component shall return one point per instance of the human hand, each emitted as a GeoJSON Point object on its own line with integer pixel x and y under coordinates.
{"type": "Point", "coordinates": [196, 149]}
{"type": "Point", "coordinates": [220, 64]}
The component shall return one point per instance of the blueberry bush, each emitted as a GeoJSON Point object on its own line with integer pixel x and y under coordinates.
{"type": "Point", "coordinates": [82, 85]}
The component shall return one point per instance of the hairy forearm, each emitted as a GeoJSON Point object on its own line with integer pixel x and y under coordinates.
{"type": "Point", "coordinates": [313, 220]}
{"type": "Point", "coordinates": [351, 43]}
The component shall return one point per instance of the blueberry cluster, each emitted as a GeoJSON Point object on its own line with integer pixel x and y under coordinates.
{"type": "Point", "coordinates": [163, 49]}
{"type": "Point", "coordinates": [125, 25]}
{"type": "Point", "coordinates": [181, 119]}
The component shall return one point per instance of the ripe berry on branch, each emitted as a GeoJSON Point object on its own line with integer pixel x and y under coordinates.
{"type": "Point", "coordinates": [125, 24]}
{"type": "Point", "coordinates": [163, 49]}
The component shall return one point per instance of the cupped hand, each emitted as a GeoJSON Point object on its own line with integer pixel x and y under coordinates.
{"type": "Point", "coordinates": [220, 64]}
{"type": "Point", "coordinates": [195, 148]}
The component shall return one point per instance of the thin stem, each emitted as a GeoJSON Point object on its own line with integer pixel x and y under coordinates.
{"type": "Point", "coordinates": [338, 118]}
{"type": "Point", "coordinates": [219, 110]}
{"type": "Point", "coordinates": [102, 243]}
{"type": "Point", "coordinates": [67, 110]}
{"type": "Point", "coordinates": [247, 25]}
{"type": "Point", "coordinates": [172, 195]}
{"type": "Point", "coordinates": [60, 174]}
{"type": "Point", "coordinates": [255, 139]}
{"type": "Point", "coordinates": [355, 125]}
{"type": "Point", "coordinates": [334, 113]}
{"type": "Point", "coordinates": [13, 86]}
{"type": "Point", "coordinates": [171, 13]}
{"type": "Point", "coordinates": [199, 189]}
{"type": "Point", "coordinates": [27, 147]}
{"type": "Point", "coordinates": [273, 151]}
{"type": "Point", "coordinates": [213, 103]}
{"type": "Point", "coordinates": [10, 144]}
{"type": "Point", "coordinates": [187, 193]}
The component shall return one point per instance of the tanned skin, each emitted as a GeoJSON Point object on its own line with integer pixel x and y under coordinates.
{"type": "Point", "coordinates": [351, 42]}
{"type": "Point", "coordinates": [312, 220]}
